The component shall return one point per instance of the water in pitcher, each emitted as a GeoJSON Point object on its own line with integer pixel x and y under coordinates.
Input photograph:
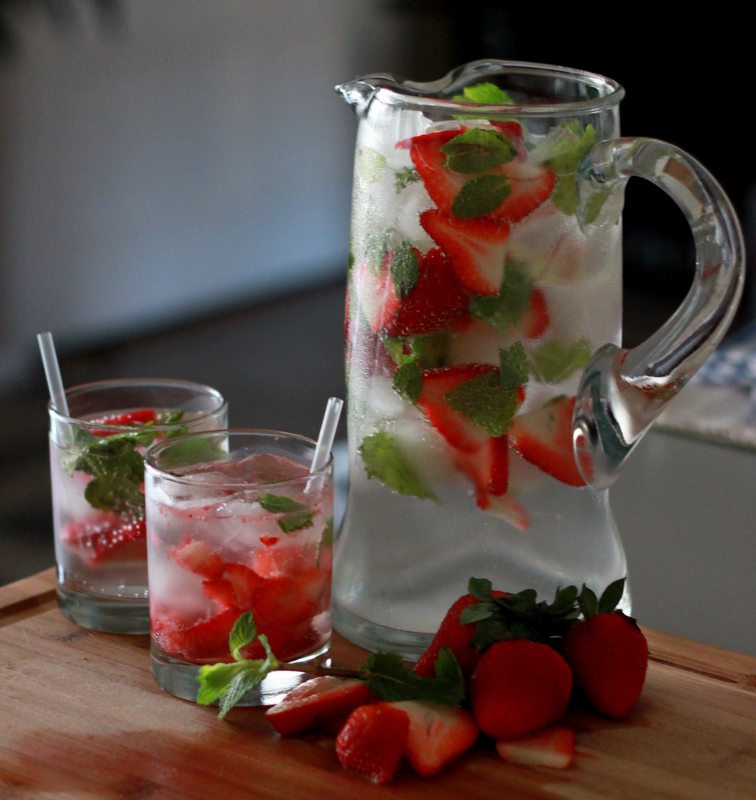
{"type": "Point", "coordinates": [475, 299]}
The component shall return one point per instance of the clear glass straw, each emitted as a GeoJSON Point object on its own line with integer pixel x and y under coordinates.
{"type": "Point", "coordinates": [327, 433]}
{"type": "Point", "coordinates": [52, 373]}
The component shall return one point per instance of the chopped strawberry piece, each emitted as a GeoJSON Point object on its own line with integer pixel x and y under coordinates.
{"type": "Point", "coordinates": [531, 186]}
{"type": "Point", "coordinates": [437, 301]}
{"type": "Point", "coordinates": [197, 557]}
{"type": "Point", "coordinates": [376, 294]}
{"type": "Point", "coordinates": [442, 184]}
{"type": "Point", "coordinates": [205, 641]}
{"type": "Point", "coordinates": [458, 430]}
{"type": "Point", "coordinates": [283, 558]}
{"type": "Point", "coordinates": [510, 510]}
{"type": "Point", "coordinates": [318, 703]}
{"type": "Point", "coordinates": [372, 741]}
{"type": "Point", "coordinates": [104, 536]}
{"type": "Point", "coordinates": [553, 747]}
{"type": "Point", "coordinates": [437, 734]}
{"type": "Point", "coordinates": [487, 468]}
{"type": "Point", "coordinates": [476, 248]}
{"type": "Point", "coordinates": [544, 438]}
{"type": "Point", "coordinates": [536, 319]}
{"type": "Point", "coordinates": [140, 416]}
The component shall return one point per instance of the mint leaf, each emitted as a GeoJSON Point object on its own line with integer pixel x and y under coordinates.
{"type": "Point", "coordinates": [431, 350]}
{"type": "Point", "coordinates": [477, 150]}
{"type": "Point", "coordinates": [201, 450]}
{"type": "Point", "coordinates": [484, 402]}
{"type": "Point", "coordinates": [243, 633]}
{"type": "Point", "coordinates": [376, 247]}
{"type": "Point", "coordinates": [552, 362]}
{"type": "Point", "coordinates": [326, 540]}
{"type": "Point", "coordinates": [405, 269]}
{"type": "Point", "coordinates": [488, 94]}
{"type": "Point", "coordinates": [564, 158]}
{"type": "Point", "coordinates": [370, 164]}
{"type": "Point", "coordinates": [513, 371]}
{"type": "Point", "coordinates": [408, 381]}
{"type": "Point", "coordinates": [216, 679]}
{"type": "Point", "coordinates": [171, 418]}
{"type": "Point", "coordinates": [404, 177]}
{"type": "Point", "coordinates": [382, 458]}
{"type": "Point", "coordinates": [388, 679]}
{"type": "Point", "coordinates": [564, 196]}
{"type": "Point", "coordinates": [611, 596]}
{"type": "Point", "coordinates": [117, 468]}
{"type": "Point", "coordinates": [481, 196]}
{"type": "Point", "coordinates": [296, 516]}
{"type": "Point", "coordinates": [504, 310]}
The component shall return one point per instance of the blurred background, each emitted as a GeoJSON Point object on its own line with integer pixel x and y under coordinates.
{"type": "Point", "coordinates": [175, 180]}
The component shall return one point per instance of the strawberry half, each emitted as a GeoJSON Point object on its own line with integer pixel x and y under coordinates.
{"type": "Point", "coordinates": [104, 536]}
{"type": "Point", "coordinates": [458, 430]}
{"type": "Point", "coordinates": [437, 300]}
{"type": "Point", "coordinates": [531, 186]}
{"type": "Point", "coordinates": [554, 747]}
{"type": "Point", "coordinates": [442, 184]}
{"type": "Point", "coordinates": [372, 741]}
{"type": "Point", "coordinates": [318, 703]}
{"type": "Point", "coordinates": [476, 248]}
{"type": "Point", "coordinates": [544, 438]}
{"type": "Point", "coordinates": [437, 734]}
{"type": "Point", "coordinates": [536, 319]}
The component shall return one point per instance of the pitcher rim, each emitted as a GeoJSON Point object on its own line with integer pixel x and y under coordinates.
{"type": "Point", "coordinates": [417, 95]}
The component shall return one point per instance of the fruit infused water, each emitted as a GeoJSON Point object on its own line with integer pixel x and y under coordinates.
{"type": "Point", "coordinates": [97, 470]}
{"type": "Point", "coordinates": [476, 296]}
{"type": "Point", "coordinates": [236, 523]}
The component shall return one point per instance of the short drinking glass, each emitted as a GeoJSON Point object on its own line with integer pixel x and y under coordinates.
{"type": "Point", "coordinates": [236, 523]}
{"type": "Point", "coordinates": [97, 469]}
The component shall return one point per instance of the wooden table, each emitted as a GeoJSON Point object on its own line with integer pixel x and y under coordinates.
{"type": "Point", "coordinates": [81, 716]}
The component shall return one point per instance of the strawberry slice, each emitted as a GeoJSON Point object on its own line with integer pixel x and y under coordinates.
{"type": "Point", "coordinates": [437, 734]}
{"type": "Point", "coordinates": [458, 430]}
{"type": "Point", "coordinates": [511, 510]}
{"type": "Point", "coordinates": [536, 319]}
{"type": "Point", "coordinates": [487, 468]}
{"type": "Point", "coordinates": [513, 131]}
{"type": "Point", "coordinates": [318, 703]}
{"type": "Point", "coordinates": [553, 747]}
{"type": "Point", "coordinates": [436, 302]}
{"type": "Point", "coordinates": [139, 416]}
{"type": "Point", "coordinates": [372, 741]}
{"type": "Point", "coordinates": [376, 294]}
{"type": "Point", "coordinates": [531, 186]}
{"type": "Point", "coordinates": [442, 184]}
{"type": "Point", "coordinates": [197, 557]}
{"type": "Point", "coordinates": [205, 641]}
{"type": "Point", "coordinates": [104, 536]}
{"type": "Point", "coordinates": [476, 248]}
{"type": "Point", "coordinates": [544, 438]}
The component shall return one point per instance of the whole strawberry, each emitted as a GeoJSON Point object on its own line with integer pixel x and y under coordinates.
{"type": "Point", "coordinates": [607, 653]}
{"type": "Point", "coordinates": [519, 686]}
{"type": "Point", "coordinates": [372, 741]}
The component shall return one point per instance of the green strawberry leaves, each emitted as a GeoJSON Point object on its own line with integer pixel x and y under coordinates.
{"type": "Point", "coordinates": [591, 606]}
{"type": "Point", "coordinates": [383, 458]}
{"type": "Point", "coordinates": [388, 679]}
{"type": "Point", "coordinates": [294, 516]}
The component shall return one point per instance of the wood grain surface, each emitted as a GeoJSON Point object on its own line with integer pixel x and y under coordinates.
{"type": "Point", "coordinates": [81, 717]}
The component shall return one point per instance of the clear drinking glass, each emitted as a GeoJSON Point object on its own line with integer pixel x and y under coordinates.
{"type": "Point", "coordinates": [489, 401]}
{"type": "Point", "coordinates": [236, 523]}
{"type": "Point", "coordinates": [97, 469]}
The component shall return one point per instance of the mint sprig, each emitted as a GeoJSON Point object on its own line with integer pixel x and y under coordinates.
{"type": "Point", "coordinates": [294, 516]}
{"type": "Point", "coordinates": [228, 683]}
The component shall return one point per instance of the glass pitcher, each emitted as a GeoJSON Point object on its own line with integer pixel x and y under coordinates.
{"type": "Point", "coordinates": [490, 403]}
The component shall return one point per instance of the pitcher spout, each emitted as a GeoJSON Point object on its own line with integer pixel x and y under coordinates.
{"type": "Point", "coordinates": [359, 92]}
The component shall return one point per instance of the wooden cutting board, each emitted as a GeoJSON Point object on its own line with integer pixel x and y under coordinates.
{"type": "Point", "coordinates": [80, 716]}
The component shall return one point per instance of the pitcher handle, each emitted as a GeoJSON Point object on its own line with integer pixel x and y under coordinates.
{"type": "Point", "coordinates": [623, 390]}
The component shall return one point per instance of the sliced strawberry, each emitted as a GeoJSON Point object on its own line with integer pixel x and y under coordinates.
{"type": "Point", "coordinates": [283, 558]}
{"type": "Point", "coordinates": [458, 430]}
{"type": "Point", "coordinates": [442, 184]}
{"type": "Point", "coordinates": [139, 416]}
{"type": "Point", "coordinates": [437, 734]}
{"type": "Point", "coordinates": [376, 294]}
{"type": "Point", "coordinates": [205, 641]}
{"type": "Point", "coordinates": [544, 438]}
{"type": "Point", "coordinates": [436, 302]}
{"type": "Point", "coordinates": [531, 186]}
{"type": "Point", "coordinates": [372, 741]}
{"type": "Point", "coordinates": [487, 468]}
{"type": "Point", "coordinates": [476, 248]}
{"type": "Point", "coordinates": [104, 536]}
{"type": "Point", "coordinates": [536, 319]}
{"type": "Point", "coordinates": [510, 510]}
{"type": "Point", "coordinates": [197, 557]}
{"type": "Point", "coordinates": [553, 747]}
{"type": "Point", "coordinates": [318, 703]}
